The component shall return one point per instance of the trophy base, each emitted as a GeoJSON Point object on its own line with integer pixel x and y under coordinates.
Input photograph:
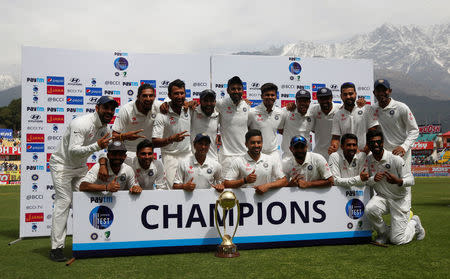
{"type": "Point", "coordinates": [227, 251]}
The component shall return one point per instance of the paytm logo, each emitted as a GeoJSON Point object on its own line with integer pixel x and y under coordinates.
{"type": "Point", "coordinates": [53, 80]}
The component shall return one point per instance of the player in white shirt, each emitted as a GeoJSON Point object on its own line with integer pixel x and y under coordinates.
{"type": "Point", "coordinates": [137, 117]}
{"type": "Point", "coordinates": [171, 130]}
{"type": "Point", "coordinates": [84, 136]}
{"type": "Point", "coordinates": [306, 169]}
{"type": "Point", "coordinates": [205, 119]}
{"type": "Point", "coordinates": [396, 120]}
{"type": "Point", "coordinates": [323, 115]}
{"type": "Point", "coordinates": [233, 121]}
{"type": "Point", "coordinates": [390, 179]}
{"type": "Point", "coordinates": [267, 117]}
{"type": "Point", "coordinates": [199, 171]}
{"type": "Point", "coordinates": [351, 119]}
{"type": "Point", "coordinates": [254, 169]}
{"type": "Point", "coordinates": [121, 175]}
{"type": "Point", "coordinates": [296, 123]}
{"type": "Point", "coordinates": [349, 168]}
{"type": "Point", "coordinates": [149, 173]}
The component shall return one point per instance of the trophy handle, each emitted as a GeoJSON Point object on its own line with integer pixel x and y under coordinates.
{"type": "Point", "coordinates": [217, 222]}
{"type": "Point", "coordinates": [238, 218]}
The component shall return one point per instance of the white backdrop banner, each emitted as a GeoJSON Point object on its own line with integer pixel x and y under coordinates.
{"type": "Point", "coordinates": [59, 85]}
{"type": "Point", "coordinates": [122, 223]}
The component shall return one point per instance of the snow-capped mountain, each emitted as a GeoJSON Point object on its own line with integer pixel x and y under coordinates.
{"type": "Point", "coordinates": [7, 81]}
{"type": "Point", "coordinates": [419, 54]}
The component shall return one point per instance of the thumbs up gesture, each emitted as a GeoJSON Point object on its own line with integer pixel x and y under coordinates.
{"type": "Point", "coordinates": [189, 186]}
{"type": "Point", "coordinates": [251, 177]}
{"type": "Point", "coordinates": [113, 186]}
{"type": "Point", "coordinates": [364, 175]}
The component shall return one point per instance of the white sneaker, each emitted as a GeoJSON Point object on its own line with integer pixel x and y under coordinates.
{"type": "Point", "coordinates": [420, 231]}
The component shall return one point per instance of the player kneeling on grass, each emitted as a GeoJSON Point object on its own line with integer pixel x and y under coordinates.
{"type": "Point", "coordinates": [255, 169]}
{"type": "Point", "coordinates": [121, 175]}
{"type": "Point", "coordinates": [199, 171]}
{"type": "Point", "coordinates": [391, 180]}
{"type": "Point", "coordinates": [306, 169]}
{"type": "Point", "coordinates": [348, 166]}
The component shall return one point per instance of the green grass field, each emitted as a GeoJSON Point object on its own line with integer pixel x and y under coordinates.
{"type": "Point", "coordinates": [429, 258]}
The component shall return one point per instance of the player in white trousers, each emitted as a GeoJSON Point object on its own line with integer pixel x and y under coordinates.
{"type": "Point", "coordinates": [84, 136]}
{"type": "Point", "coordinates": [390, 179]}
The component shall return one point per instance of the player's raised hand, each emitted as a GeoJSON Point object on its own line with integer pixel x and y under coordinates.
{"type": "Point", "coordinates": [364, 175]}
{"type": "Point", "coordinates": [291, 106]}
{"type": "Point", "coordinates": [164, 108]}
{"type": "Point", "coordinates": [113, 186]}
{"type": "Point", "coordinates": [251, 177]}
{"type": "Point", "coordinates": [103, 141]}
{"type": "Point", "coordinates": [133, 135]}
{"type": "Point", "coordinates": [190, 185]}
{"type": "Point", "coordinates": [178, 137]}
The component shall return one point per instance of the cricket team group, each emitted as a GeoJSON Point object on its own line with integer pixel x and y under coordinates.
{"type": "Point", "coordinates": [355, 145]}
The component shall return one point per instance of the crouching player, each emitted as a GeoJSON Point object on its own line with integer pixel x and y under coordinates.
{"type": "Point", "coordinates": [199, 171]}
{"type": "Point", "coordinates": [390, 178]}
{"type": "Point", "coordinates": [121, 175]}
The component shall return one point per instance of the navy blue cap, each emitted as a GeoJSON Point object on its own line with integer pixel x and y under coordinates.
{"type": "Point", "coordinates": [302, 93]}
{"type": "Point", "coordinates": [106, 99]}
{"type": "Point", "coordinates": [207, 92]}
{"type": "Point", "coordinates": [324, 92]}
{"type": "Point", "coordinates": [298, 140]}
{"type": "Point", "coordinates": [383, 82]}
{"type": "Point", "coordinates": [116, 146]}
{"type": "Point", "coordinates": [201, 136]}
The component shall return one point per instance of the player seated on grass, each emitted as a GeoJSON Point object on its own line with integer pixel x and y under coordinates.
{"type": "Point", "coordinates": [199, 171]}
{"type": "Point", "coordinates": [149, 173]}
{"type": "Point", "coordinates": [254, 169]}
{"type": "Point", "coordinates": [306, 169]}
{"type": "Point", "coordinates": [348, 167]}
{"type": "Point", "coordinates": [121, 175]}
{"type": "Point", "coordinates": [391, 180]}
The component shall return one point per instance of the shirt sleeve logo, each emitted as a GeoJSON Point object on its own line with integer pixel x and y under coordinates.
{"type": "Point", "coordinates": [123, 177]}
{"type": "Point", "coordinates": [310, 167]}
{"type": "Point", "coordinates": [360, 112]}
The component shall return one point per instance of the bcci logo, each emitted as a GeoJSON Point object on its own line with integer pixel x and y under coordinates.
{"type": "Point", "coordinates": [101, 217]}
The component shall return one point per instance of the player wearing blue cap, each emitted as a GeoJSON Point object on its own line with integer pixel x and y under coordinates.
{"type": "Point", "coordinates": [306, 169]}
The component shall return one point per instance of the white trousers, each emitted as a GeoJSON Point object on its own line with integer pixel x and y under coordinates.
{"type": "Point", "coordinates": [64, 182]}
{"type": "Point", "coordinates": [402, 229]}
{"type": "Point", "coordinates": [170, 162]}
